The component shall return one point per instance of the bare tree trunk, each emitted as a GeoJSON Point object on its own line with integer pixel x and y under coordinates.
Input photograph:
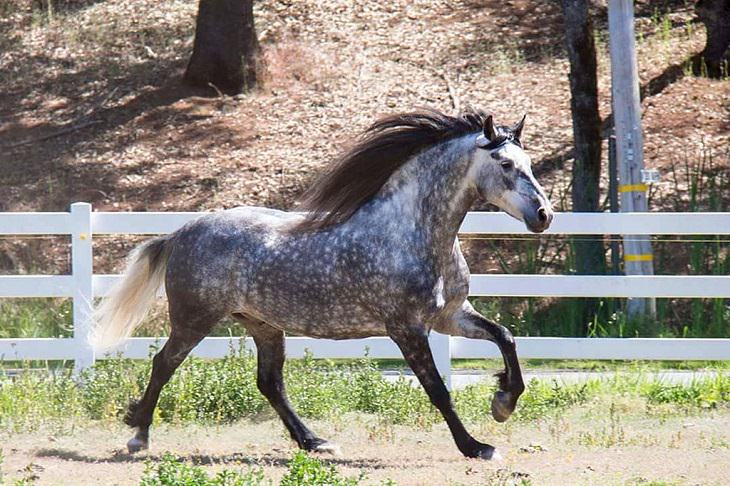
{"type": "Point", "coordinates": [590, 256]}
{"type": "Point", "coordinates": [715, 14]}
{"type": "Point", "coordinates": [225, 48]}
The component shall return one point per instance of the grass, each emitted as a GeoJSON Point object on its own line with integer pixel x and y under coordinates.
{"type": "Point", "coordinates": [224, 391]}
{"type": "Point", "coordinates": [216, 392]}
{"type": "Point", "coordinates": [303, 470]}
{"type": "Point", "coordinates": [30, 318]}
{"type": "Point", "coordinates": [547, 365]}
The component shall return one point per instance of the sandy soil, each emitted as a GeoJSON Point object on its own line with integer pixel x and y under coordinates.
{"type": "Point", "coordinates": [587, 446]}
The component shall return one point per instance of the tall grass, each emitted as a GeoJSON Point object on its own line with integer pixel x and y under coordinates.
{"type": "Point", "coordinates": [29, 318]}
{"type": "Point", "coordinates": [707, 187]}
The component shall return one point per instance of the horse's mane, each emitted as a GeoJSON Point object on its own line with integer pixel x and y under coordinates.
{"type": "Point", "coordinates": [358, 174]}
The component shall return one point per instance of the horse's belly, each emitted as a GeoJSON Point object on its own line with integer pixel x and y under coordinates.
{"type": "Point", "coordinates": [332, 322]}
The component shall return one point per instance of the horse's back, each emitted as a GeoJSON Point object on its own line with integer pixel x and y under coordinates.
{"type": "Point", "coordinates": [215, 254]}
{"type": "Point", "coordinates": [240, 222]}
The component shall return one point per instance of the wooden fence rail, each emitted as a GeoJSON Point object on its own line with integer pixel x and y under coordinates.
{"type": "Point", "coordinates": [81, 224]}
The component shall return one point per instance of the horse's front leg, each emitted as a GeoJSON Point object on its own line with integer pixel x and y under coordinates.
{"type": "Point", "coordinates": [469, 323]}
{"type": "Point", "coordinates": [413, 343]}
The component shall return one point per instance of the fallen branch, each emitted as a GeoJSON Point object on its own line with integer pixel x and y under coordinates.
{"type": "Point", "coordinates": [55, 134]}
{"type": "Point", "coordinates": [72, 127]}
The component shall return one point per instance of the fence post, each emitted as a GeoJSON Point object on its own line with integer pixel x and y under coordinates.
{"type": "Point", "coordinates": [82, 271]}
{"type": "Point", "coordinates": [441, 350]}
{"type": "Point", "coordinates": [638, 258]}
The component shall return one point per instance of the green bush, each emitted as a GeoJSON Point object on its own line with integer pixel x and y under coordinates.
{"type": "Point", "coordinates": [34, 398]}
{"type": "Point", "coordinates": [309, 471]}
{"type": "Point", "coordinates": [171, 472]}
{"type": "Point", "coordinates": [708, 393]}
{"type": "Point", "coordinates": [303, 471]}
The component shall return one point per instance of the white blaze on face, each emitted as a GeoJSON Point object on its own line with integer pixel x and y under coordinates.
{"type": "Point", "coordinates": [514, 201]}
{"type": "Point", "coordinates": [513, 190]}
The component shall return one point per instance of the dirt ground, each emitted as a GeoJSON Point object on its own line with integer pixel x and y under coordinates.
{"type": "Point", "coordinates": [587, 446]}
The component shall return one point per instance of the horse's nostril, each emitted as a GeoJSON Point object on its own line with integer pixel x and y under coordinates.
{"type": "Point", "coordinates": [542, 215]}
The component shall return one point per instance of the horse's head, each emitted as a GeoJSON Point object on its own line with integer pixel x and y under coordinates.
{"type": "Point", "coordinates": [502, 174]}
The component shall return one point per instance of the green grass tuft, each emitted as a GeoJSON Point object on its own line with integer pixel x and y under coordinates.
{"type": "Point", "coordinates": [303, 471]}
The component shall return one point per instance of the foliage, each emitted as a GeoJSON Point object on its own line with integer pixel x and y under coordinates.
{"type": "Point", "coordinates": [33, 398]}
{"type": "Point", "coordinates": [169, 471]}
{"type": "Point", "coordinates": [303, 471]}
{"type": "Point", "coordinates": [707, 393]}
{"type": "Point", "coordinates": [30, 318]}
{"type": "Point", "coordinates": [223, 391]}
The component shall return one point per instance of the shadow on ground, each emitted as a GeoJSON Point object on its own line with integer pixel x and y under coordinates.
{"type": "Point", "coordinates": [206, 459]}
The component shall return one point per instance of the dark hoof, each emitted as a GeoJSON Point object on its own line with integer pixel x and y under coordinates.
{"type": "Point", "coordinates": [136, 444]}
{"type": "Point", "coordinates": [322, 446]}
{"type": "Point", "coordinates": [502, 406]}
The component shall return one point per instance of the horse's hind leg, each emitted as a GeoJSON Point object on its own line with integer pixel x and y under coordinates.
{"type": "Point", "coordinates": [413, 343]}
{"type": "Point", "coordinates": [270, 351]}
{"type": "Point", "coordinates": [188, 329]}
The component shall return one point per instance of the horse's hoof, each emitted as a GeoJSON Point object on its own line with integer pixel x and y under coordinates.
{"type": "Point", "coordinates": [328, 448]}
{"type": "Point", "coordinates": [502, 407]}
{"type": "Point", "coordinates": [494, 455]}
{"type": "Point", "coordinates": [322, 446]}
{"type": "Point", "coordinates": [487, 453]}
{"type": "Point", "coordinates": [135, 445]}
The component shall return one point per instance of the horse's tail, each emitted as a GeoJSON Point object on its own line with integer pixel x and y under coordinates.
{"type": "Point", "coordinates": [128, 302]}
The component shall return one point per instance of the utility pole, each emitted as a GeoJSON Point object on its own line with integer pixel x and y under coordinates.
{"type": "Point", "coordinates": [638, 257]}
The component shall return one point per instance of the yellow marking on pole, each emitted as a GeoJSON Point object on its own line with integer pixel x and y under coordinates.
{"type": "Point", "coordinates": [646, 257]}
{"type": "Point", "coordinates": [83, 236]}
{"type": "Point", "coordinates": [633, 188]}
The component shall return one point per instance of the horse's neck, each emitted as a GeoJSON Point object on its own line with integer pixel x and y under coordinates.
{"type": "Point", "coordinates": [431, 194]}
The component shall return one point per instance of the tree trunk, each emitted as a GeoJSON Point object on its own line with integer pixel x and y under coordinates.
{"type": "Point", "coordinates": [225, 48]}
{"type": "Point", "coordinates": [590, 256]}
{"type": "Point", "coordinates": [715, 14]}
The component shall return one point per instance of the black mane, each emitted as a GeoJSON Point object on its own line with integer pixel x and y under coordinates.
{"type": "Point", "coordinates": [381, 150]}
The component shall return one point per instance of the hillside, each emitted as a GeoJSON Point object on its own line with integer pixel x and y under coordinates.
{"type": "Point", "coordinates": [106, 74]}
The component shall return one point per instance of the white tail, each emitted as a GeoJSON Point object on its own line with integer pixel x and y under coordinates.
{"type": "Point", "coordinates": [127, 304]}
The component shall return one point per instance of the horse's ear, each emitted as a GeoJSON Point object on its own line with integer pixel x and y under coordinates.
{"type": "Point", "coordinates": [517, 129]}
{"type": "Point", "coordinates": [488, 128]}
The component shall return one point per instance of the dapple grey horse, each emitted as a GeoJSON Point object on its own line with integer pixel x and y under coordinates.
{"type": "Point", "coordinates": [375, 254]}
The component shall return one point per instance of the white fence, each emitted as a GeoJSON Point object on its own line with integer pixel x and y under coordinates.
{"type": "Point", "coordinates": [82, 285]}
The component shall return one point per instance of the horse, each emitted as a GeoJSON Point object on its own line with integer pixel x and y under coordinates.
{"type": "Point", "coordinates": [373, 253]}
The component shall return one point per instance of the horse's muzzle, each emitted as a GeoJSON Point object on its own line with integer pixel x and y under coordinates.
{"type": "Point", "coordinates": [540, 220]}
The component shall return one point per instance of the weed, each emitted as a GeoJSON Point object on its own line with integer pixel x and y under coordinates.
{"type": "Point", "coordinates": [707, 393]}
{"type": "Point", "coordinates": [30, 318]}
{"type": "Point", "coordinates": [223, 391]}
{"type": "Point", "coordinates": [305, 471]}
{"type": "Point", "coordinates": [172, 472]}
{"type": "Point", "coordinates": [607, 436]}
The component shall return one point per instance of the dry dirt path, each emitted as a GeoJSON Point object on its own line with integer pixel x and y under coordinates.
{"type": "Point", "coordinates": [587, 446]}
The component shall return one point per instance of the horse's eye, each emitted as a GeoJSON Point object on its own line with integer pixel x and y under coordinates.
{"type": "Point", "coordinates": [507, 164]}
